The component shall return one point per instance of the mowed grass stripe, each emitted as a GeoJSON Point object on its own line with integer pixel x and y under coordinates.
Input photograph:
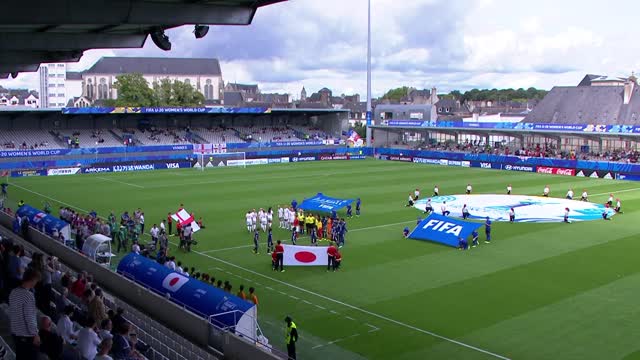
{"type": "Point", "coordinates": [397, 267]}
{"type": "Point", "coordinates": [595, 324]}
{"type": "Point", "coordinates": [539, 284]}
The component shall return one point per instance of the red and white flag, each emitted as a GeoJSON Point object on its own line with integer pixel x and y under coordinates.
{"type": "Point", "coordinates": [184, 218]}
{"type": "Point", "coordinates": [305, 255]}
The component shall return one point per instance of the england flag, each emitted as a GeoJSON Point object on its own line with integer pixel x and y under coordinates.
{"type": "Point", "coordinates": [355, 138]}
{"type": "Point", "coordinates": [305, 255]}
{"type": "Point", "coordinates": [184, 218]}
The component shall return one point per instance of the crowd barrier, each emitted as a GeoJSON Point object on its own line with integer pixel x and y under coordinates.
{"type": "Point", "coordinates": [581, 168]}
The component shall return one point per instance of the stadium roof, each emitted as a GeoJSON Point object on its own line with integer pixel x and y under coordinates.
{"type": "Point", "coordinates": [41, 31]}
{"type": "Point", "coordinates": [587, 105]}
{"type": "Point", "coordinates": [155, 66]}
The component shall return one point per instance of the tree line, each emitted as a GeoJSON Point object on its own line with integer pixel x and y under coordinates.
{"type": "Point", "coordinates": [135, 91]}
{"type": "Point", "coordinates": [520, 94]}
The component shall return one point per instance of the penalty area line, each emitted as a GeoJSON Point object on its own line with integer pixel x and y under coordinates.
{"type": "Point", "coordinates": [615, 192]}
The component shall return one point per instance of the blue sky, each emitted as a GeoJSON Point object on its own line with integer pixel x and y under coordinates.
{"type": "Point", "coordinates": [455, 44]}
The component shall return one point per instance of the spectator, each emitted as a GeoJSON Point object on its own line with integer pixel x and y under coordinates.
{"type": "Point", "coordinates": [106, 328]}
{"type": "Point", "coordinates": [22, 316]}
{"type": "Point", "coordinates": [88, 340]}
{"type": "Point", "coordinates": [122, 349]}
{"type": "Point", "coordinates": [51, 344]}
{"type": "Point", "coordinates": [118, 319]}
{"type": "Point", "coordinates": [104, 349]}
{"type": "Point", "coordinates": [78, 286]}
{"type": "Point", "coordinates": [65, 326]}
{"type": "Point", "coordinates": [96, 307]}
{"type": "Point", "coordinates": [62, 301]}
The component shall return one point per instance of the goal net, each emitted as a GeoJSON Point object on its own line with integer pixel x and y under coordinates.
{"type": "Point", "coordinates": [215, 160]}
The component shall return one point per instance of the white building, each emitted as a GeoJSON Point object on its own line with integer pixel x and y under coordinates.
{"type": "Point", "coordinates": [203, 74]}
{"type": "Point", "coordinates": [53, 93]}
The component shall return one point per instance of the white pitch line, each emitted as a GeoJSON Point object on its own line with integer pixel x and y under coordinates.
{"type": "Point", "coordinates": [335, 341]}
{"type": "Point", "coordinates": [350, 318]}
{"type": "Point", "coordinates": [120, 182]}
{"type": "Point", "coordinates": [373, 328]}
{"type": "Point", "coordinates": [321, 307]}
{"type": "Point", "coordinates": [615, 192]}
{"type": "Point", "coordinates": [307, 302]}
{"type": "Point", "coordinates": [226, 249]}
{"type": "Point", "coordinates": [353, 307]}
{"type": "Point", "coordinates": [268, 288]}
{"type": "Point", "coordinates": [294, 297]}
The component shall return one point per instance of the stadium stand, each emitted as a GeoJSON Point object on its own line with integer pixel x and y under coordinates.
{"type": "Point", "coordinates": [89, 138]}
{"type": "Point", "coordinates": [154, 341]}
{"type": "Point", "coordinates": [218, 135]}
{"type": "Point", "coordinates": [27, 140]}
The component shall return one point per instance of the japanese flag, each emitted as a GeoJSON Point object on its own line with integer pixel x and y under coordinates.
{"type": "Point", "coordinates": [305, 255]}
{"type": "Point", "coordinates": [184, 218]}
{"type": "Point", "coordinates": [174, 281]}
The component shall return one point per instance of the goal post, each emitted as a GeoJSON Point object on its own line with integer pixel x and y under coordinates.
{"type": "Point", "coordinates": [216, 160]}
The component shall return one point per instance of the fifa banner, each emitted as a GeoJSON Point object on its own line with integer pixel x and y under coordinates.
{"type": "Point", "coordinates": [184, 218]}
{"type": "Point", "coordinates": [443, 229]}
{"type": "Point", "coordinates": [295, 255]}
{"type": "Point", "coordinates": [38, 219]}
{"type": "Point", "coordinates": [321, 202]}
{"type": "Point", "coordinates": [223, 309]}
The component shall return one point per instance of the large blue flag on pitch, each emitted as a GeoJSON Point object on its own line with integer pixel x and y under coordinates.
{"type": "Point", "coordinates": [444, 230]}
{"type": "Point", "coordinates": [324, 203]}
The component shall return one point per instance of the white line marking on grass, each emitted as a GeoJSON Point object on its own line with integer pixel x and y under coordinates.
{"type": "Point", "coordinates": [225, 249]}
{"type": "Point", "coordinates": [294, 297]}
{"type": "Point", "coordinates": [335, 341]}
{"type": "Point", "coordinates": [50, 198]}
{"type": "Point", "coordinates": [120, 182]}
{"type": "Point", "coordinates": [307, 302]}
{"type": "Point", "coordinates": [615, 192]}
{"type": "Point", "coordinates": [283, 293]}
{"type": "Point", "coordinates": [333, 312]}
{"type": "Point", "coordinates": [321, 307]}
{"type": "Point", "coordinates": [353, 307]}
{"type": "Point", "coordinates": [269, 288]}
{"type": "Point", "coordinates": [373, 328]}
{"type": "Point", "coordinates": [350, 318]}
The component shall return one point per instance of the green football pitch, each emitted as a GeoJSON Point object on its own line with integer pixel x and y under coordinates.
{"type": "Point", "coordinates": [538, 291]}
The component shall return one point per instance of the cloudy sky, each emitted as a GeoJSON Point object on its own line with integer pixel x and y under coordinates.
{"type": "Point", "coordinates": [449, 44]}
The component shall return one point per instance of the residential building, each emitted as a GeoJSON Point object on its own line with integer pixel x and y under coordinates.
{"type": "Point", "coordinates": [53, 93]}
{"type": "Point", "coordinates": [204, 75]}
{"type": "Point", "coordinates": [19, 98]}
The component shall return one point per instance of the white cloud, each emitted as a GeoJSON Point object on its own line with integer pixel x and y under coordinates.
{"type": "Point", "coordinates": [423, 43]}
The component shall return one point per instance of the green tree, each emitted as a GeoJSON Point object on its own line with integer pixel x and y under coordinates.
{"type": "Point", "coordinates": [396, 94]}
{"type": "Point", "coordinates": [360, 129]}
{"type": "Point", "coordinates": [133, 90]}
{"type": "Point", "coordinates": [176, 93]}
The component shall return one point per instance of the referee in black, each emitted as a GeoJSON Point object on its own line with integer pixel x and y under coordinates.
{"type": "Point", "coordinates": [23, 316]}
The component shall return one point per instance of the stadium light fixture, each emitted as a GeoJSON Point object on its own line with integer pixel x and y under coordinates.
{"type": "Point", "coordinates": [200, 31]}
{"type": "Point", "coordinates": [161, 39]}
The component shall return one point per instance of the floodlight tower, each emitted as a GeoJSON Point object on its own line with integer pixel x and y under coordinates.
{"type": "Point", "coordinates": [369, 114]}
